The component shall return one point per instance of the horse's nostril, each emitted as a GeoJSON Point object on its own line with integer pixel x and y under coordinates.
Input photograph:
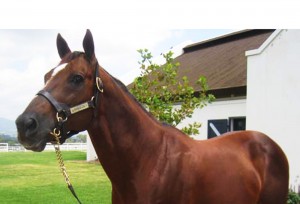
{"type": "Point", "coordinates": [30, 124]}
{"type": "Point", "coordinates": [26, 124]}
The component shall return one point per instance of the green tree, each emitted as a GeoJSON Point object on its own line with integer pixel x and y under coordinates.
{"type": "Point", "coordinates": [80, 138]}
{"type": "Point", "coordinates": [159, 87]}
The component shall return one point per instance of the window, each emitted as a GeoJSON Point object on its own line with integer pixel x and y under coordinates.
{"type": "Point", "coordinates": [216, 127]}
{"type": "Point", "coordinates": [220, 126]}
{"type": "Point", "coordinates": [237, 123]}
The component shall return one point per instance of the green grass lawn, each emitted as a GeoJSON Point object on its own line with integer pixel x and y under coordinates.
{"type": "Point", "coordinates": [29, 177]}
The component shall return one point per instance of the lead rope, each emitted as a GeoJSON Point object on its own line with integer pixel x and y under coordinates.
{"type": "Point", "coordinates": [56, 134]}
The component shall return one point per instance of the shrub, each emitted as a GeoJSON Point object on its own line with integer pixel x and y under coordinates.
{"type": "Point", "coordinates": [293, 198]}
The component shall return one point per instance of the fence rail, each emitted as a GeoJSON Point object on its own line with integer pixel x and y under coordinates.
{"type": "Point", "coordinates": [5, 147]}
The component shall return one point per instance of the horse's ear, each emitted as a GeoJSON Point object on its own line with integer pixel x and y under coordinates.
{"type": "Point", "coordinates": [88, 45]}
{"type": "Point", "coordinates": [62, 46]}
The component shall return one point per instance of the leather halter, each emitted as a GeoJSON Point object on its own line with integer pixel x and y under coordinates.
{"type": "Point", "coordinates": [63, 111]}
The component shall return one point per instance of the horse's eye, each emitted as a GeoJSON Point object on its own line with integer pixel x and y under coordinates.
{"type": "Point", "coordinates": [77, 79]}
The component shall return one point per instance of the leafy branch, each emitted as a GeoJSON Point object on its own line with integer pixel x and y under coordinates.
{"type": "Point", "coordinates": [159, 87]}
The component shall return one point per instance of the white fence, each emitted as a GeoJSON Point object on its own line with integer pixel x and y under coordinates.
{"type": "Point", "coordinates": [68, 147]}
{"type": "Point", "coordinates": [4, 147]}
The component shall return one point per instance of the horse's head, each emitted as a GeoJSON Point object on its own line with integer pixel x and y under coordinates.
{"type": "Point", "coordinates": [66, 103]}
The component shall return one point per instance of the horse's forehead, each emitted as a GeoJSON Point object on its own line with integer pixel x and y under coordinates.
{"type": "Point", "coordinates": [70, 64]}
{"type": "Point", "coordinates": [58, 69]}
{"type": "Point", "coordinates": [62, 65]}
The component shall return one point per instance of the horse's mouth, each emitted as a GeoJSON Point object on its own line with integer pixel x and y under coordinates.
{"type": "Point", "coordinates": [36, 143]}
{"type": "Point", "coordinates": [40, 145]}
{"type": "Point", "coordinates": [36, 147]}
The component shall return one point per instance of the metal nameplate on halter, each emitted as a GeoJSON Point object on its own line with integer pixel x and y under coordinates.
{"type": "Point", "coordinates": [79, 108]}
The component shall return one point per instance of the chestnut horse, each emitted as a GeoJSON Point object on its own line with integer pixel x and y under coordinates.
{"type": "Point", "coordinates": [145, 160]}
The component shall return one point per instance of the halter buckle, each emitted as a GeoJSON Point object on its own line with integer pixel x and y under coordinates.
{"type": "Point", "coordinates": [63, 118]}
{"type": "Point", "coordinates": [99, 84]}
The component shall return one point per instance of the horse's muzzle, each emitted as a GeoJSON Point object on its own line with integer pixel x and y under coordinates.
{"type": "Point", "coordinates": [30, 132]}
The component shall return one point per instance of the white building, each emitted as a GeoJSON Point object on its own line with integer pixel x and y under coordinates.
{"type": "Point", "coordinates": [273, 93]}
{"type": "Point", "coordinates": [223, 62]}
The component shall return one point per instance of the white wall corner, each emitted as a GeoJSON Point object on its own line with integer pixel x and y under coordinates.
{"type": "Point", "coordinates": [265, 44]}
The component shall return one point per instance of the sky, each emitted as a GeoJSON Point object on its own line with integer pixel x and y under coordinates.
{"type": "Point", "coordinates": [27, 54]}
{"type": "Point", "coordinates": [28, 31]}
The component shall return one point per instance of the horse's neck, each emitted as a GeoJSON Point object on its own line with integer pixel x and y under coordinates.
{"type": "Point", "coordinates": [124, 133]}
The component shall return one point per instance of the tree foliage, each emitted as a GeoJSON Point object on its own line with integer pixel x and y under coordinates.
{"type": "Point", "coordinates": [80, 138]}
{"type": "Point", "coordinates": [159, 87]}
{"type": "Point", "coordinates": [8, 139]}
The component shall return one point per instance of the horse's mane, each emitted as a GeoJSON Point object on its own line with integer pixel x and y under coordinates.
{"type": "Point", "coordinates": [125, 89]}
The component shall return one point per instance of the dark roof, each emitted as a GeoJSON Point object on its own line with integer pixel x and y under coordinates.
{"type": "Point", "coordinates": [222, 61]}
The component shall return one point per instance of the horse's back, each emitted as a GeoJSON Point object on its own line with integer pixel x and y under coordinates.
{"type": "Point", "coordinates": [268, 160]}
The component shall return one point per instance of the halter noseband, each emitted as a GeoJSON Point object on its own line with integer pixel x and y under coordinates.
{"type": "Point", "coordinates": [63, 111]}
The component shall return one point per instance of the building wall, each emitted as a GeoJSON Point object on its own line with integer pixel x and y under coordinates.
{"type": "Point", "coordinates": [273, 93]}
{"type": "Point", "coordinates": [216, 110]}
{"type": "Point", "coordinates": [90, 151]}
